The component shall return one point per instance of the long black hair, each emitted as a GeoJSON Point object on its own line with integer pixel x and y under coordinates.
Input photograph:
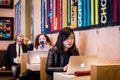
{"type": "Point", "coordinates": [62, 36]}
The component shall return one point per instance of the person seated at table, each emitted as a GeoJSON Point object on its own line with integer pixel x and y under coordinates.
{"type": "Point", "coordinates": [58, 55]}
{"type": "Point", "coordinates": [42, 42]}
{"type": "Point", "coordinates": [13, 53]}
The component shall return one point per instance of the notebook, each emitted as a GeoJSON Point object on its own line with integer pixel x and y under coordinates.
{"type": "Point", "coordinates": [34, 56]}
{"type": "Point", "coordinates": [77, 63]}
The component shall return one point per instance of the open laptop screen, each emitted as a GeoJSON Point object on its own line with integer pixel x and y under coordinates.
{"type": "Point", "coordinates": [78, 63]}
{"type": "Point", "coordinates": [34, 56]}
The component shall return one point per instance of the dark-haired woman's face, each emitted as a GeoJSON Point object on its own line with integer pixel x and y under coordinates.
{"type": "Point", "coordinates": [68, 43]}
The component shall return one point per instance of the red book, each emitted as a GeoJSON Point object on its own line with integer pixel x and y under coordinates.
{"type": "Point", "coordinates": [115, 10]}
{"type": "Point", "coordinates": [82, 73]}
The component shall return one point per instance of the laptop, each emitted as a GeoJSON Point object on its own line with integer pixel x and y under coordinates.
{"type": "Point", "coordinates": [81, 63]}
{"type": "Point", "coordinates": [34, 59]}
{"type": "Point", "coordinates": [34, 56]}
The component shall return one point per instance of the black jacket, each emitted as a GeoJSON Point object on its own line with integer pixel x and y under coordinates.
{"type": "Point", "coordinates": [56, 61]}
{"type": "Point", "coordinates": [11, 54]}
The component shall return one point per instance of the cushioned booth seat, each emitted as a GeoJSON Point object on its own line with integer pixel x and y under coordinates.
{"type": "Point", "coordinates": [4, 72]}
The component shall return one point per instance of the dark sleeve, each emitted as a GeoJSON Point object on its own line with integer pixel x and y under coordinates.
{"type": "Point", "coordinates": [25, 48]}
{"type": "Point", "coordinates": [30, 47]}
{"type": "Point", "coordinates": [52, 64]}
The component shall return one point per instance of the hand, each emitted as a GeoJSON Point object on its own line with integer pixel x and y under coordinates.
{"type": "Point", "coordinates": [2, 68]}
{"type": "Point", "coordinates": [40, 47]}
{"type": "Point", "coordinates": [65, 68]}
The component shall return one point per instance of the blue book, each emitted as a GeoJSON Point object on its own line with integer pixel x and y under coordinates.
{"type": "Point", "coordinates": [42, 16]}
{"type": "Point", "coordinates": [88, 13]}
{"type": "Point", "coordinates": [80, 15]}
{"type": "Point", "coordinates": [84, 12]}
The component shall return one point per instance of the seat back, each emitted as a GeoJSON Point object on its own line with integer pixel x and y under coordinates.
{"type": "Point", "coordinates": [43, 75]}
{"type": "Point", "coordinates": [24, 61]}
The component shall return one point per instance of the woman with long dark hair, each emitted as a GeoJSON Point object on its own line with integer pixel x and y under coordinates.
{"type": "Point", "coordinates": [58, 55]}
